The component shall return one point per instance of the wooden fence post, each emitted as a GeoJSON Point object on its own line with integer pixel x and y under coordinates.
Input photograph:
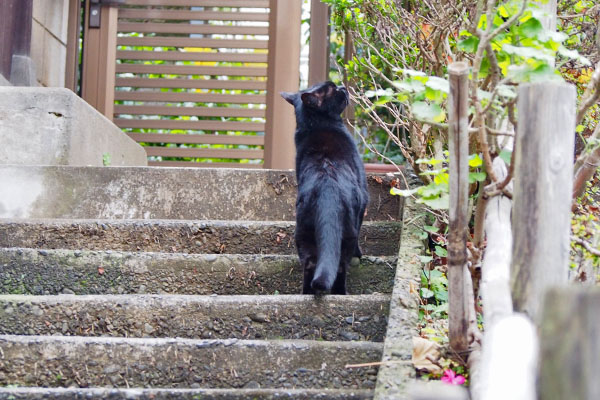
{"type": "Point", "coordinates": [73, 32]}
{"type": "Point", "coordinates": [283, 75]}
{"type": "Point", "coordinates": [99, 61]}
{"type": "Point", "coordinates": [318, 49]}
{"type": "Point", "coordinates": [570, 345]}
{"type": "Point", "coordinates": [542, 195]}
{"type": "Point", "coordinates": [458, 146]}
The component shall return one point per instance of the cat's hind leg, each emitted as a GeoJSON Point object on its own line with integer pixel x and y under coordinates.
{"type": "Point", "coordinates": [307, 253]}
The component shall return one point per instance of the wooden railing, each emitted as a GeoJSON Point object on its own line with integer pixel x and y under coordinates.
{"type": "Point", "coordinates": [190, 81]}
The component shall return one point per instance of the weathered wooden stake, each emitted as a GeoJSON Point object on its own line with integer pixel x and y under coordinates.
{"type": "Point", "coordinates": [542, 194]}
{"type": "Point", "coordinates": [458, 145]}
{"type": "Point", "coordinates": [318, 49]}
{"type": "Point", "coordinates": [283, 76]}
{"type": "Point", "coordinates": [570, 345]}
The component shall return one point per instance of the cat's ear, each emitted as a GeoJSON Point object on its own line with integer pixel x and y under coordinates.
{"type": "Point", "coordinates": [289, 97]}
{"type": "Point", "coordinates": [311, 99]}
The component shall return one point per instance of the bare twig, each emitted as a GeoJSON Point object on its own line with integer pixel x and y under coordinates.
{"type": "Point", "coordinates": [586, 165]}
{"type": "Point", "coordinates": [591, 95]}
{"type": "Point", "coordinates": [377, 364]}
{"type": "Point", "coordinates": [586, 245]}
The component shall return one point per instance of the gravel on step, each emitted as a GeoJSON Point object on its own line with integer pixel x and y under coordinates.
{"type": "Point", "coordinates": [26, 271]}
{"type": "Point", "coordinates": [219, 317]}
{"type": "Point", "coordinates": [61, 361]}
{"type": "Point", "coordinates": [23, 393]}
{"type": "Point", "coordinates": [172, 236]}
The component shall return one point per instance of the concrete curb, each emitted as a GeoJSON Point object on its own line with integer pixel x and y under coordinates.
{"type": "Point", "coordinates": [397, 371]}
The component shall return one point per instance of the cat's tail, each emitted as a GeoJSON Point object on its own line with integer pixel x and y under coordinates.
{"type": "Point", "coordinates": [328, 235]}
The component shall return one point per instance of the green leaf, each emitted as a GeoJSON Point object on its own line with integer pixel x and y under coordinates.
{"type": "Point", "coordinates": [441, 295]}
{"type": "Point", "coordinates": [431, 229]}
{"type": "Point", "coordinates": [439, 84]}
{"type": "Point", "coordinates": [409, 85]}
{"type": "Point", "coordinates": [442, 308]}
{"type": "Point", "coordinates": [579, 128]}
{"type": "Point", "coordinates": [434, 172]}
{"type": "Point", "coordinates": [432, 190]}
{"type": "Point", "coordinates": [543, 73]}
{"type": "Point", "coordinates": [379, 92]}
{"type": "Point", "coordinates": [573, 54]}
{"type": "Point", "coordinates": [556, 37]}
{"type": "Point", "coordinates": [434, 95]}
{"type": "Point", "coordinates": [476, 177]}
{"type": "Point", "coordinates": [435, 273]}
{"type": "Point", "coordinates": [439, 203]}
{"type": "Point", "coordinates": [503, 12]}
{"type": "Point", "coordinates": [440, 251]}
{"type": "Point", "coordinates": [469, 45]}
{"type": "Point", "coordinates": [428, 161]}
{"type": "Point", "coordinates": [530, 28]}
{"type": "Point", "coordinates": [106, 159]}
{"type": "Point", "coordinates": [528, 52]}
{"type": "Point", "coordinates": [506, 91]}
{"type": "Point", "coordinates": [426, 293]}
{"type": "Point", "coordinates": [403, 193]}
{"type": "Point", "coordinates": [505, 155]}
{"type": "Point", "coordinates": [425, 259]}
{"type": "Point", "coordinates": [411, 72]}
{"type": "Point", "coordinates": [525, 73]}
{"type": "Point", "coordinates": [382, 100]}
{"type": "Point", "coordinates": [475, 161]}
{"type": "Point", "coordinates": [427, 112]}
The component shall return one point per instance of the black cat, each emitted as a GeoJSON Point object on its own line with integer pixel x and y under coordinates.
{"type": "Point", "coordinates": [332, 189]}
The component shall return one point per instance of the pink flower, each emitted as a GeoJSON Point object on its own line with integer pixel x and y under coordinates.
{"type": "Point", "coordinates": [451, 378]}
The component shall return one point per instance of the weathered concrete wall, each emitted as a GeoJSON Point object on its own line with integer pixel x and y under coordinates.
{"type": "Point", "coordinates": [164, 193]}
{"type": "Point", "coordinates": [4, 81]}
{"type": "Point", "coordinates": [49, 41]}
{"type": "Point", "coordinates": [50, 126]}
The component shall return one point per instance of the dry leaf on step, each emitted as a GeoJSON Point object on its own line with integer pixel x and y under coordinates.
{"type": "Point", "coordinates": [425, 353]}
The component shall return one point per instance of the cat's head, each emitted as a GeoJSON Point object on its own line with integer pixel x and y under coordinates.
{"type": "Point", "coordinates": [324, 98]}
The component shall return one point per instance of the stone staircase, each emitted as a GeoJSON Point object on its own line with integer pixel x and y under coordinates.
{"type": "Point", "coordinates": [168, 283]}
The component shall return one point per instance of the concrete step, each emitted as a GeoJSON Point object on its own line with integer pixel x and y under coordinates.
{"type": "Point", "coordinates": [33, 271]}
{"type": "Point", "coordinates": [172, 236]}
{"type": "Point", "coordinates": [62, 361]}
{"type": "Point", "coordinates": [165, 193]}
{"type": "Point", "coordinates": [182, 394]}
{"type": "Point", "coordinates": [333, 318]}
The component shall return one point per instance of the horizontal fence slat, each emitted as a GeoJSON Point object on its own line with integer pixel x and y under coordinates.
{"type": "Point", "coordinates": [202, 153]}
{"type": "Point", "coordinates": [191, 83]}
{"type": "Point", "coordinates": [190, 70]}
{"type": "Point", "coordinates": [201, 3]}
{"type": "Point", "coordinates": [195, 111]}
{"type": "Point", "coordinates": [197, 139]}
{"type": "Point", "coordinates": [190, 125]}
{"type": "Point", "coordinates": [191, 97]}
{"type": "Point", "coordinates": [155, 41]}
{"type": "Point", "coordinates": [192, 164]}
{"type": "Point", "coordinates": [138, 13]}
{"type": "Point", "coordinates": [211, 56]}
{"type": "Point", "coordinates": [205, 29]}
